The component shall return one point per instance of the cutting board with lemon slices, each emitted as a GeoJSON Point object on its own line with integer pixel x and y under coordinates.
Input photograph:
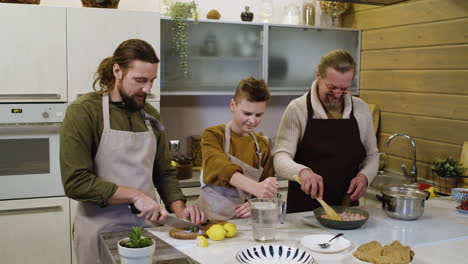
{"type": "Point", "coordinates": [187, 234]}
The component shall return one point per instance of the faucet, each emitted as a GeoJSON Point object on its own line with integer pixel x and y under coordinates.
{"type": "Point", "coordinates": [413, 174]}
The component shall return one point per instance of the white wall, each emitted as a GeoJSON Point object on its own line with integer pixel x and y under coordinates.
{"type": "Point", "coordinates": [230, 10]}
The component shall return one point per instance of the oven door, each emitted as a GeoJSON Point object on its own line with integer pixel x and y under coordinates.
{"type": "Point", "coordinates": [29, 161]}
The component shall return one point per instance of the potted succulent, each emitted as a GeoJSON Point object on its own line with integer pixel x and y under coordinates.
{"type": "Point", "coordinates": [136, 248]}
{"type": "Point", "coordinates": [180, 12]}
{"type": "Point", "coordinates": [448, 170]}
{"type": "Point", "coordinates": [101, 3]}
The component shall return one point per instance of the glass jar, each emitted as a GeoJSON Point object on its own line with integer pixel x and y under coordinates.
{"type": "Point", "coordinates": [292, 14]}
{"type": "Point", "coordinates": [308, 12]}
{"type": "Point", "coordinates": [267, 11]}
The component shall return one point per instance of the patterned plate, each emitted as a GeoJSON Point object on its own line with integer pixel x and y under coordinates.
{"type": "Point", "coordinates": [272, 254]}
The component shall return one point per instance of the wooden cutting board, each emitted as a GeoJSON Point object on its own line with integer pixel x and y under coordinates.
{"type": "Point", "coordinates": [186, 234]}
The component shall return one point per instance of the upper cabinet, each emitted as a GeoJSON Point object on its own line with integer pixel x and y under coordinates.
{"type": "Point", "coordinates": [94, 33]}
{"type": "Point", "coordinates": [295, 52]}
{"type": "Point", "coordinates": [33, 61]}
{"type": "Point", "coordinates": [222, 53]}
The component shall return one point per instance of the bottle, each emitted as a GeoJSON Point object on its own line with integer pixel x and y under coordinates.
{"type": "Point", "coordinates": [247, 15]}
{"type": "Point", "coordinates": [292, 14]}
{"type": "Point", "coordinates": [267, 10]}
{"type": "Point", "coordinates": [308, 12]}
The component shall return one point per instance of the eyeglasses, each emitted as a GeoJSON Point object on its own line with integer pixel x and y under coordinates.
{"type": "Point", "coordinates": [336, 89]}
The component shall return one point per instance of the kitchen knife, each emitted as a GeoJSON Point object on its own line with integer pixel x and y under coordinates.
{"type": "Point", "coordinates": [169, 220]}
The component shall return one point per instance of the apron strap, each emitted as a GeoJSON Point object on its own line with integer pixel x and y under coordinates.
{"type": "Point", "coordinates": [227, 143]}
{"type": "Point", "coordinates": [105, 111]}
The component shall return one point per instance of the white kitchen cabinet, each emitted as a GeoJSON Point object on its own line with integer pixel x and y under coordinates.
{"type": "Point", "coordinates": [94, 33]}
{"type": "Point", "coordinates": [35, 231]}
{"type": "Point", "coordinates": [33, 53]}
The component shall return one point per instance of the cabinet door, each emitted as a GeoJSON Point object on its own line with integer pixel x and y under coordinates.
{"type": "Point", "coordinates": [294, 54]}
{"type": "Point", "coordinates": [35, 231]}
{"type": "Point", "coordinates": [94, 33]}
{"type": "Point", "coordinates": [33, 53]}
{"type": "Point", "coordinates": [220, 54]}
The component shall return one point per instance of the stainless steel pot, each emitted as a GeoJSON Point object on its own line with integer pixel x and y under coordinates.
{"type": "Point", "coordinates": [403, 203]}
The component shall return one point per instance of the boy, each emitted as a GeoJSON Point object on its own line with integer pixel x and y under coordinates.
{"type": "Point", "coordinates": [237, 161]}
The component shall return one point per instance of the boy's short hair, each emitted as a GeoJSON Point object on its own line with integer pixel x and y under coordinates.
{"type": "Point", "coordinates": [254, 90]}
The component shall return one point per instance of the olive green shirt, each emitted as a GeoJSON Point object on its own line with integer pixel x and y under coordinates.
{"type": "Point", "coordinates": [79, 140]}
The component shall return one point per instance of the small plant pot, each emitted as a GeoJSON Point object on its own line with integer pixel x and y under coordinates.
{"type": "Point", "coordinates": [104, 4]}
{"type": "Point", "coordinates": [29, 2]}
{"type": "Point", "coordinates": [136, 255]}
{"type": "Point", "coordinates": [184, 172]}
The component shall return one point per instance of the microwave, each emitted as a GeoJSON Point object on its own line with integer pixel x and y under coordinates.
{"type": "Point", "coordinates": [29, 150]}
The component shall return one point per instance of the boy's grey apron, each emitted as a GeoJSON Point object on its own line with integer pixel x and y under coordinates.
{"type": "Point", "coordinates": [125, 158]}
{"type": "Point", "coordinates": [219, 202]}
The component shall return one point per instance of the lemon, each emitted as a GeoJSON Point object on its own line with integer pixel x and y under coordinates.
{"type": "Point", "coordinates": [216, 232]}
{"type": "Point", "coordinates": [174, 163]}
{"type": "Point", "coordinates": [202, 242]}
{"type": "Point", "coordinates": [231, 229]}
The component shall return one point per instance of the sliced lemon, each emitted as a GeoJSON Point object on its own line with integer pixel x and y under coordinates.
{"type": "Point", "coordinates": [202, 242]}
{"type": "Point", "coordinates": [216, 232]}
{"type": "Point", "coordinates": [231, 229]}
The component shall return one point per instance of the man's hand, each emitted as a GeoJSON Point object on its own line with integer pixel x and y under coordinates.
{"type": "Point", "coordinates": [358, 186]}
{"type": "Point", "coordinates": [311, 183]}
{"type": "Point", "coordinates": [267, 188]}
{"type": "Point", "coordinates": [149, 208]}
{"type": "Point", "coordinates": [243, 210]}
{"type": "Point", "coordinates": [195, 214]}
{"type": "Point", "coordinates": [184, 211]}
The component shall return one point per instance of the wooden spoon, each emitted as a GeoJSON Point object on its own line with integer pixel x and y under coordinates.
{"type": "Point", "coordinates": [328, 210]}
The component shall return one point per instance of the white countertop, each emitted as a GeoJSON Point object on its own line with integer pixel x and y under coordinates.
{"type": "Point", "coordinates": [432, 247]}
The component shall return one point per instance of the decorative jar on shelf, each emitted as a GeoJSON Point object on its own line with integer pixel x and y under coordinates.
{"type": "Point", "coordinates": [292, 14]}
{"type": "Point", "coordinates": [308, 12]}
{"type": "Point", "coordinates": [267, 11]}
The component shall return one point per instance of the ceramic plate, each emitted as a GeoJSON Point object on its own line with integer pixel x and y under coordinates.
{"type": "Point", "coordinates": [338, 244]}
{"type": "Point", "coordinates": [272, 254]}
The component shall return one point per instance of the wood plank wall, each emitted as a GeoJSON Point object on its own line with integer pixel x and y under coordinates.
{"type": "Point", "coordinates": [414, 65]}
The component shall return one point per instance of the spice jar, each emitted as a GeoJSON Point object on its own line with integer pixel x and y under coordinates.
{"type": "Point", "coordinates": [308, 12]}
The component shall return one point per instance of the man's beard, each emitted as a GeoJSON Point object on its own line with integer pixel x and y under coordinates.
{"type": "Point", "coordinates": [333, 105]}
{"type": "Point", "coordinates": [131, 103]}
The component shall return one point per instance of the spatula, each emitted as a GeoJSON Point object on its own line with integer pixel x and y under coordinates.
{"type": "Point", "coordinates": [328, 210]}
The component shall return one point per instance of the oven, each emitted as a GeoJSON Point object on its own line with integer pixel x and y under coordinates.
{"type": "Point", "coordinates": [29, 150]}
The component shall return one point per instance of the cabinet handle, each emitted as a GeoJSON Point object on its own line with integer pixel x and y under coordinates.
{"type": "Point", "coordinates": [33, 96]}
{"type": "Point", "coordinates": [39, 208]}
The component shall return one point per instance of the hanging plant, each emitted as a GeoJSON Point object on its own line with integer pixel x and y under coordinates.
{"type": "Point", "coordinates": [180, 12]}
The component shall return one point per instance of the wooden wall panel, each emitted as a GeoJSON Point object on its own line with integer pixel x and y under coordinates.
{"type": "Point", "coordinates": [426, 150]}
{"type": "Point", "coordinates": [436, 129]}
{"type": "Point", "coordinates": [414, 66]}
{"type": "Point", "coordinates": [434, 105]}
{"type": "Point", "coordinates": [421, 81]}
{"type": "Point", "coordinates": [435, 33]}
{"type": "Point", "coordinates": [406, 13]}
{"type": "Point", "coordinates": [439, 57]}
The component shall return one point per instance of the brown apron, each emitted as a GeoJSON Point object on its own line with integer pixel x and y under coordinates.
{"type": "Point", "coordinates": [219, 202]}
{"type": "Point", "coordinates": [125, 158]}
{"type": "Point", "coordinates": [333, 149]}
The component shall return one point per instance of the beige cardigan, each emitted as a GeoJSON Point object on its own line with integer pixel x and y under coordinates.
{"type": "Point", "coordinates": [292, 128]}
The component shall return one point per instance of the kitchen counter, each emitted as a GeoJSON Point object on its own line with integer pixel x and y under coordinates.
{"type": "Point", "coordinates": [426, 236]}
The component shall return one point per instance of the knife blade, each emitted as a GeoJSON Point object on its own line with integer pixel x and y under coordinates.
{"type": "Point", "coordinates": [169, 220]}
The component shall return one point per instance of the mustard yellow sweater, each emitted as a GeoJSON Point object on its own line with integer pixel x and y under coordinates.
{"type": "Point", "coordinates": [217, 169]}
